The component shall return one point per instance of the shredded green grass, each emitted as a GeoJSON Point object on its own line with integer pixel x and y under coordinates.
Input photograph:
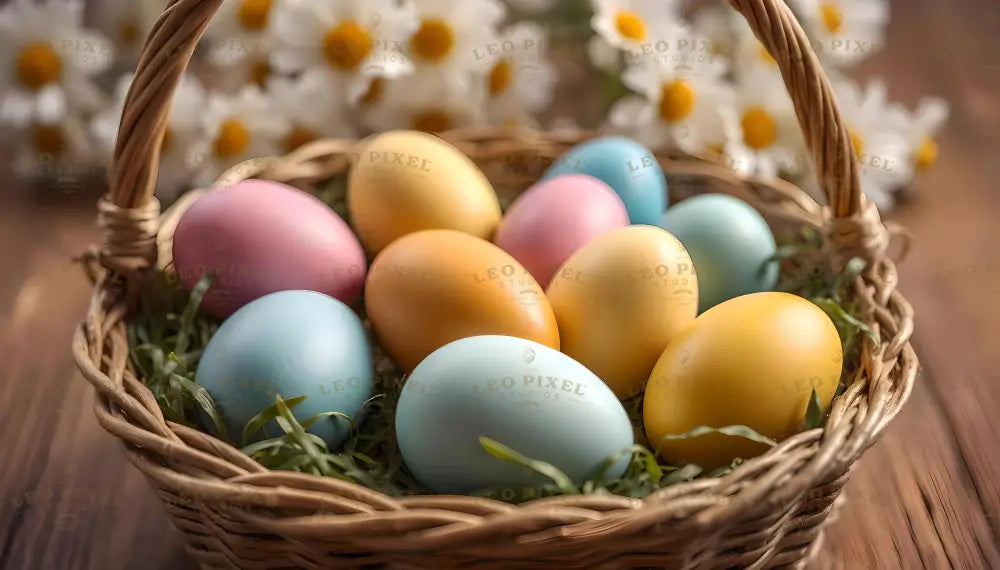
{"type": "Point", "coordinates": [169, 332]}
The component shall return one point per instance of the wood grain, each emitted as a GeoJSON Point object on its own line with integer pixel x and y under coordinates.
{"type": "Point", "coordinates": [926, 496]}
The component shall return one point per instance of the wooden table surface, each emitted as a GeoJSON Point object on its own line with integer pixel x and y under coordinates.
{"type": "Point", "coordinates": [926, 496]}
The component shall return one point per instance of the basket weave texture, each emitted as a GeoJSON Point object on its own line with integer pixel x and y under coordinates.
{"type": "Point", "coordinates": [234, 513]}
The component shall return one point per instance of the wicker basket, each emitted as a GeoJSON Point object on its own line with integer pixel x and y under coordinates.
{"type": "Point", "coordinates": [234, 513]}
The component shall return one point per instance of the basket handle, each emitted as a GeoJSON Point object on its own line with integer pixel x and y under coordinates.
{"type": "Point", "coordinates": [852, 225]}
{"type": "Point", "coordinates": [128, 211]}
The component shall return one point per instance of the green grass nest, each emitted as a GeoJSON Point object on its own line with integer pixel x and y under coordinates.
{"type": "Point", "coordinates": [169, 332]}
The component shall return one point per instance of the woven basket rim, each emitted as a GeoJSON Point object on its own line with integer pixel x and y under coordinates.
{"type": "Point", "coordinates": [183, 461]}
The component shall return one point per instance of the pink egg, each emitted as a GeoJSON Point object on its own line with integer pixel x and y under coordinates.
{"type": "Point", "coordinates": [556, 217]}
{"type": "Point", "coordinates": [260, 237]}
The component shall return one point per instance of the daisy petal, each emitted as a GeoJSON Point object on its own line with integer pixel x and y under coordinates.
{"type": "Point", "coordinates": [85, 52]}
{"type": "Point", "coordinates": [17, 108]}
{"type": "Point", "coordinates": [51, 104]}
{"type": "Point", "coordinates": [630, 112]}
{"type": "Point", "coordinates": [82, 94]}
{"type": "Point", "coordinates": [931, 114]}
{"type": "Point", "coordinates": [603, 55]}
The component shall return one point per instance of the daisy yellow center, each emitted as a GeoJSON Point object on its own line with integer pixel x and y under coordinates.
{"type": "Point", "coordinates": [254, 14]}
{"type": "Point", "coordinates": [129, 31]}
{"type": "Point", "coordinates": [763, 54]}
{"type": "Point", "coordinates": [500, 78]}
{"type": "Point", "coordinates": [347, 45]}
{"type": "Point", "coordinates": [832, 17]}
{"type": "Point", "coordinates": [858, 142]}
{"type": "Point", "coordinates": [38, 65]}
{"type": "Point", "coordinates": [374, 92]}
{"type": "Point", "coordinates": [630, 25]}
{"type": "Point", "coordinates": [676, 101]}
{"type": "Point", "coordinates": [434, 40]}
{"type": "Point", "coordinates": [298, 137]}
{"type": "Point", "coordinates": [259, 72]}
{"type": "Point", "coordinates": [759, 128]}
{"type": "Point", "coordinates": [49, 140]}
{"type": "Point", "coordinates": [432, 121]}
{"type": "Point", "coordinates": [927, 154]}
{"type": "Point", "coordinates": [233, 139]}
{"type": "Point", "coordinates": [168, 140]}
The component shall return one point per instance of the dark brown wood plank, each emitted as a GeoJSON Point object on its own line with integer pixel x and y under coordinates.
{"type": "Point", "coordinates": [68, 498]}
{"type": "Point", "coordinates": [926, 496]}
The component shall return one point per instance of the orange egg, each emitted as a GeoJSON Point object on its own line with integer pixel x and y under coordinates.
{"type": "Point", "coordinates": [754, 361]}
{"type": "Point", "coordinates": [407, 181]}
{"type": "Point", "coordinates": [429, 288]}
{"type": "Point", "coordinates": [621, 299]}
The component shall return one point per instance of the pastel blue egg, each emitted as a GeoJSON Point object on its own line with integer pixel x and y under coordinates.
{"type": "Point", "coordinates": [624, 165]}
{"type": "Point", "coordinates": [730, 245]}
{"type": "Point", "coordinates": [522, 394]}
{"type": "Point", "coordinates": [290, 343]}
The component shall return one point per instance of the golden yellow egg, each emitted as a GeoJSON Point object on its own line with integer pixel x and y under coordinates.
{"type": "Point", "coordinates": [406, 181]}
{"type": "Point", "coordinates": [430, 288]}
{"type": "Point", "coordinates": [753, 361]}
{"type": "Point", "coordinates": [621, 299]}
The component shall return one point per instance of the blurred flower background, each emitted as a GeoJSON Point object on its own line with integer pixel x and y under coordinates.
{"type": "Point", "coordinates": [272, 75]}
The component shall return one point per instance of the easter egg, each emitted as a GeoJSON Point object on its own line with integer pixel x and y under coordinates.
{"type": "Point", "coordinates": [556, 217]}
{"type": "Point", "coordinates": [730, 243]}
{"type": "Point", "coordinates": [260, 237]}
{"type": "Point", "coordinates": [436, 286]}
{"type": "Point", "coordinates": [752, 361]}
{"type": "Point", "coordinates": [521, 394]}
{"type": "Point", "coordinates": [624, 165]}
{"type": "Point", "coordinates": [290, 343]}
{"type": "Point", "coordinates": [406, 181]}
{"type": "Point", "coordinates": [621, 299]}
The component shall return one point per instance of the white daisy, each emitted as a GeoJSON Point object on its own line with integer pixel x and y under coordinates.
{"type": "Point", "coordinates": [632, 24]}
{"type": "Point", "coordinates": [104, 124]}
{"type": "Point", "coordinates": [457, 37]}
{"type": "Point", "coordinates": [844, 31]}
{"type": "Point", "coordinates": [352, 41]}
{"type": "Point", "coordinates": [127, 24]}
{"type": "Point", "coordinates": [521, 82]}
{"type": "Point", "coordinates": [51, 150]}
{"type": "Point", "coordinates": [923, 127]}
{"type": "Point", "coordinates": [425, 101]}
{"type": "Point", "coordinates": [254, 69]}
{"type": "Point", "coordinates": [680, 105]}
{"type": "Point", "coordinates": [878, 134]}
{"type": "Point", "coordinates": [183, 130]}
{"type": "Point", "coordinates": [313, 110]}
{"type": "Point", "coordinates": [239, 31]}
{"type": "Point", "coordinates": [46, 60]}
{"type": "Point", "coordinates": [717, 24]}
{"type": "Point", "coordinates": [235, 128]}
{"type": "Point", "coordinates": [729, 35]}
{"type": "Point", "coordinates": [749, 54]}
{"type": "Point", "coordinates": [766, 140]}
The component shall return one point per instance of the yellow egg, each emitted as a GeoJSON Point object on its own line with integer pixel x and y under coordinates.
{"type": "Point", "coordinates": [621, 299]}
{"type": "Point", "coordinates": [754, 361]}
{"type": "Point", "coordinates": [406, 181]}
{"type": "Point", "coordinates": [430, 288]}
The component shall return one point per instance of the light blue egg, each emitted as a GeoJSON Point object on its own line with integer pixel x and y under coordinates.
{"type": "Point", "coordinates": [730, 245]}
{"type": "Point", "coordinates": [526, 396]}
{"type": "Point", "coordinates": [624, 165]}
{"type": "Point", "coordinates": [290, 343]}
